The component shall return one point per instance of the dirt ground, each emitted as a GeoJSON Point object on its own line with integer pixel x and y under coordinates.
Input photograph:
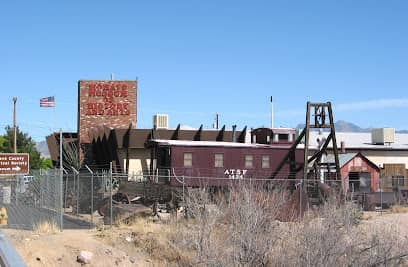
{"type": "Point", "coordinates": [62, 248]}
{"type": "Point", "coordinates": [117, 246]}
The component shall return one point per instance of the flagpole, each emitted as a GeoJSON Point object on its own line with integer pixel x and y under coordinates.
{"type": "Point", "coordinates": [53, 115]}
{"type": "Point", "coordinates": [53, 129]}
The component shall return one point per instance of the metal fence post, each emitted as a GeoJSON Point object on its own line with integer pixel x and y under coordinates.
{"type": "Point", "coordinates": [381, 196]}
{"type": "Point", "coordinates": [16, 189]}
{"type": "Point", "coordinates": [66, 187]}
{"type": "Point", "coordinates": [92, 194]}
{"type": "Point", "coordinates": [110, 193]}
{"type": "Point", "coordinates": [61, 187]}
{"type": "Point", "coordinates": [300, 198]}
{"type": "Point", "coordinates": [62, 181]}
{"type": "Point", "coordinates": [184, 201]}
{"type": "Point", "coordinates": [76, 174]}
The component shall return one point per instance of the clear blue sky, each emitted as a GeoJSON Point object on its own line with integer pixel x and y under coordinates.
{"type": "Point", "coordinates": [197, 58]}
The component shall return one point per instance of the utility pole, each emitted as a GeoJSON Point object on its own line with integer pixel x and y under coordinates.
{"type": "Point", "coordinates": [14, 124]}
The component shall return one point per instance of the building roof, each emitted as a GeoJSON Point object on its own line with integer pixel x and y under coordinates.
{"type": "Point", "coordinates": [283, 130]}
{"type": "Point", "coordinates": [345, 158]}
{"type": "Point", "coordinates": [360, 141]}
{"type": "Point", "coordinates": [137, 138]}
{"type": "Point", "coordinates": [214, 144]}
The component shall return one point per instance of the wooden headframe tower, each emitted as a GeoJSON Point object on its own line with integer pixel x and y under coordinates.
{"type": "Point", "coordinates": [319, 116]}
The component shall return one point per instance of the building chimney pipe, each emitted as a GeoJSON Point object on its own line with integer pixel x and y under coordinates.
{"type": "Point", "coordinates": [234, 133]}
{"type": "Point", "coordinates": [343, 147]}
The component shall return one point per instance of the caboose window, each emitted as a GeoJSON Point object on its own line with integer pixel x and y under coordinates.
{"type": "Point", "coordinates": [188, 159]}
{"type": "Point", "coordinates": [219, 160]}
{"type": "Point", "coordinates": [249, 161]}
{"type": "Point", "coordinates": [265, 161]}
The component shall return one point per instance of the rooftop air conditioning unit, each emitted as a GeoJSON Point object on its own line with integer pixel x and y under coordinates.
{"type": "Point", "coordinates": [383, 136]}
{"type": "Point", "coordinates": [161, 121]}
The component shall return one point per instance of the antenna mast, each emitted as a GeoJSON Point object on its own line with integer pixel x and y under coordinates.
{"type": "Point", "coordinates": [272, 125]}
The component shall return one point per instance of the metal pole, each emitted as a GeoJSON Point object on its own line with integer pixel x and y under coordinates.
{"type": "Point", "coordinates": [61, 184]}
{"type": "Point", "coordinates": [77, 211]}
{"type": "Point", "coordinates": [110, 192]}
{"type": "Point", "coordinates": [15, 125]}
{"type": "Point", "coordinates": [381, 196]}
{"type": "Point", "coordinates": [76, 174]}
{"type": "Point", "coordinates": [184, 201]}
{"type": "Point", "coordinates": [300, 198]}
{"type": "Point", "coordinates": [66, 188]}
{"type": "Point", "coordinates": [272, 124]}
{"type": "Point", "coordinates": [15, 145]}
{"type": "Point", "coordinates": [92, 196]}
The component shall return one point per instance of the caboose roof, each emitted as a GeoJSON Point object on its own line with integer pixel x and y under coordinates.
{"type": "Point", "coordinates": [166, 142]}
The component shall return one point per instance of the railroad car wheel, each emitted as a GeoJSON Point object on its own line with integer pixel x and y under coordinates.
{"type": "Point", "coordinates": [121, 197]}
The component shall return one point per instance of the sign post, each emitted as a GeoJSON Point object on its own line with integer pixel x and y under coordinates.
{"type": "Point", "coordinates": [14, 163]}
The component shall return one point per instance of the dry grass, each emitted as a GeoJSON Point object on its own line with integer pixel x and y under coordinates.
{"type": "Point", "coordinates": [46, 227]}
{"type": "Point", "coordinates": [142, 225]}
{"type": "Point", "coordinates": [151, 238]}
{"type": "Point", "coordinates": [369, 215]}
{"type": "Point", "coordinates": [398, 209]}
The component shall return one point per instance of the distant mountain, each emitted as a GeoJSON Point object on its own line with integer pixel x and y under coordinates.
{"type": "Point", "coordinates": [42, 147]}
{"type": "Point", "coordinates": [345, 126]}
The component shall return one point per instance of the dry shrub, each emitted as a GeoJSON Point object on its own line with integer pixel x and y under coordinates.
{"type": "Point", "coordinates": [380, 245]}
{"type": "Point", "coordinates": [335, 238]}
{"type": "Point", "coordinates": [46, 227]}
{"type": "Point", "coordinates": [323, 240]}
{"type": "Point", "coordinates": [253, 214]}
{"type": "Point", "coordinates": [242, 230]}
{"type": "Point", "coordinates": [236, 229]}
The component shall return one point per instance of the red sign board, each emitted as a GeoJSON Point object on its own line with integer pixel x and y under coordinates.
{"type": "Point", "coordinates": [11, 163]}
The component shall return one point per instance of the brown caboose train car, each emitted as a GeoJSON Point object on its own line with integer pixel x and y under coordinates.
{"type": "Point", "coordinates": [198, 163]}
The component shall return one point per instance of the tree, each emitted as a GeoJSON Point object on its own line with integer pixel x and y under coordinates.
{"type": "Point", "coordinates": [25, 144]}
{"type": "Point", "coordinates": [46, 163]}
{"type": "Point", "coordinates": [1, 143]}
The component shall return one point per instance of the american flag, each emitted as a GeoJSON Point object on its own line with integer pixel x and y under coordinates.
{"type": "Point", "coordinates": [47, 102]}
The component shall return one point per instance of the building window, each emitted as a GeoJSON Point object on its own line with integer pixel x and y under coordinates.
{"type": "Point", "coordinates": [188, 159]}
{"type": "Point", "coordinates": [219, 160]}
{"type": "Point", "coordinates": [249, 161]}
{"type": "Point", "coordinates": [265, 161]}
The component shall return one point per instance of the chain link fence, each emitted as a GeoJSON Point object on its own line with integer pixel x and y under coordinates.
{"type": "Point", "coordinates": [88, 198]}
{"type": "Point", "coordinates": [87, 195]}
{"type": "Point", "coordinates": [32, 199]}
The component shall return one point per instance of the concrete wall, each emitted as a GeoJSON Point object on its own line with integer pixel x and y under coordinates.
{"type": "Point", "coordinates": [379, 157]}
{"type": "Point", "coordinates": [139, 160]}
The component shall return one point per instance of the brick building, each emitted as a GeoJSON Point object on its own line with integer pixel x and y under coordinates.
{"type": "Point", "coordinates": [104, 103]}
